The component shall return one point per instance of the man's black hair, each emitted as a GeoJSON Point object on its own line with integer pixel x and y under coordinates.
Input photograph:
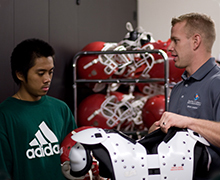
{"type": "Point", "coordinates": [24, 55]}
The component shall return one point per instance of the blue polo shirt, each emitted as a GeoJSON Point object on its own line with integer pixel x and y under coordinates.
{"type": "Point", "coordinates": [198, 96]}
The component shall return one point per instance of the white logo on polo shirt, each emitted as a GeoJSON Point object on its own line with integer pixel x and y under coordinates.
{"type": "Point", "coordinates": [195, 103]}
{"type": "Point", "coordinates": [44, 144]}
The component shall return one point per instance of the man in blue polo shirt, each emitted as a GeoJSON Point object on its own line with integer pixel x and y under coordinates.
{"type": "Point", "coordinates": [195, 101]}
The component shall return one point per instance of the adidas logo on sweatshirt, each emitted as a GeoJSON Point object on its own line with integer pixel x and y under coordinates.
{"type": "Point", "coordinates": [43, 144]}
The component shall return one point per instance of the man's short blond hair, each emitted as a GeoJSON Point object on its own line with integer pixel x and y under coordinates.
{"type": "Point", "coordinates": [201, 24]}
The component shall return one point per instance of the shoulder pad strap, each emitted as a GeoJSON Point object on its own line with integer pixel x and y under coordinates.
{"type": "Point", "coordinates": [198, 137]}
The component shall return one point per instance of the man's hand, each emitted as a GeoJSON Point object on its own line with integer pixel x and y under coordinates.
{"type": "Point", "coordinates": [168, 120]}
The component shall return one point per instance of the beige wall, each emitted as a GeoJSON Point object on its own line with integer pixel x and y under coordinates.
{"type": "Point", "coordinates": [155, 16]}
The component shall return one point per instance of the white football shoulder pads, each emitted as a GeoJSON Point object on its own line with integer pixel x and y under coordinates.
{"type": "Point", "coordinates": [128, 159]}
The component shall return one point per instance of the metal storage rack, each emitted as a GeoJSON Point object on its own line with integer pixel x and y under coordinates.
{"type": "Point", "coordinates": [122, 81]}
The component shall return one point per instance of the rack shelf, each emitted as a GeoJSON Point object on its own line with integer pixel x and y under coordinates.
{"type": "Point", "coordinates": [122, 81]}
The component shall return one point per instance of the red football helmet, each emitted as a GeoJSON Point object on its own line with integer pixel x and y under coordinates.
{"type": "Point", "coordinates": [157, 71]}
{"type": "Point", "coordinates": [139, 68]}
{"type": "Point", "coordinates": [132, 103]}
{"type": "Point", "coordinates": [103, 111]}
{"type": "Point", "coordinates": [96, 66]}
{"type": "Point", "coordinates": [101, 66]}
{"type": "Point", "coordinates": [83, 161]}
{"type": "Point", "coordinates": [153, 110]}
{"type": "Point", "coordinates": [67, 143]}
{"type": "Point", "coordinates": [174, 73]}
{"type": "Point", "coordinates": [142, 63]}
{"type": "Point", "coordinates": [151, 89]}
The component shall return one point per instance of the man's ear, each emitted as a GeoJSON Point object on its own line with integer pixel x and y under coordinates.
{"type": "Point", "coordinates": [196, 41]}
{"type": "Point", "coordinates": [20, 76]}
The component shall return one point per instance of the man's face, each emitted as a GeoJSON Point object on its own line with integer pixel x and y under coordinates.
{"type": "Point", "coordinates": [180, 46]}
{"type": "Point", "coordinates": [38, 79]}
